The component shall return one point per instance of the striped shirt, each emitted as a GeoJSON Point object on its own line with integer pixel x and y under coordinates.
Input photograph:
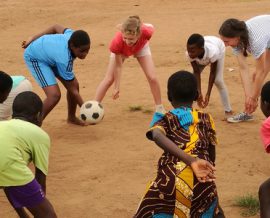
{"type": "Point", "coordinates": [258, 35]}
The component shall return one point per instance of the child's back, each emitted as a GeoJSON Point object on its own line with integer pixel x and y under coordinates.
{"type": "Point", "coordinates": [176, 190]}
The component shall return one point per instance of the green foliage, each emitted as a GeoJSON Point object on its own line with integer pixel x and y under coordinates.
{"type": "Point", "coordinates": [249, 204]}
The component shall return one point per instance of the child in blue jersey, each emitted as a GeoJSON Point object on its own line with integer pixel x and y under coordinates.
{"type": "Point", "coordinates": [50, 55]}
{"type": "Point", "coordinates": [10, 87]}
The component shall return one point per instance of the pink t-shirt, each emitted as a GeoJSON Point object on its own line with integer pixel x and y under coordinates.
{"type": "Point", "coordinates": [118, 46]}
{"type": "Point", "coordinates": [265, 134]}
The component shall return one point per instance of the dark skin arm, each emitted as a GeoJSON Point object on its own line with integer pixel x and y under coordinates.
{"type": "Point", "coordinates": [201, 168]}
{"type": "Point", "coordinates": [73, 89]}
{"type": "Point", "coordinates": [212, 153]}
{"type": "Point", "coordinates": [55, 29]}
{"type": "Point", "coordinates": [41, 178]}
{"type": "Point", "coordinates": [212, 77]}
{"type": "Point", "coordinates": [197, 73]}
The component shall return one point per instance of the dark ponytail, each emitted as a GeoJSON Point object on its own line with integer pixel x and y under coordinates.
{"type": "Point", "coordinates": [236, 28]}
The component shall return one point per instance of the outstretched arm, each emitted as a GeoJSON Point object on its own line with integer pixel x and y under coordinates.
{"type": "Point", "coordinates": [197, 73]}
{"type": "Point", "coordinates": [73, 89]}
{"type": "Point", "coordinates": [212, 77]}
{"type": "Point", "coordinates": [117, 76]}
{"type": "Point", "coordinates": [257, 82]}
{"type": "Point", "coordinates": [51, 30]}
{"type": "Point", "coordinates": [201, 168]}
{"type": "Point", "coordinates": [245, 77]}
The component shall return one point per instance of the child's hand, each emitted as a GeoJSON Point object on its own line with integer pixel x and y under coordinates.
{"type": "Point", "coordinates": [27, 42]}
{"type": "Point", "coordinates": [200, 101]}
{"type": "Point", "coordinates": [206, 100]}
{"type": "Point", "coordinates": [115, 94]}
{"type": "Point", "coordinates": [203, 170]}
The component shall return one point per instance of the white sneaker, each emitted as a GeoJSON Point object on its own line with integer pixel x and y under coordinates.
{"type": "Point", "coordinates": [241, 117]}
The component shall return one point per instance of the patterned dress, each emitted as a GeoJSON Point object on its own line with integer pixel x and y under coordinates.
{"type": "Point", "coordinates": [176, 190]}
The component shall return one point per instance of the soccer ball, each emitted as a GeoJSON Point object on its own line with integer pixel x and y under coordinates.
{"type": "Point", "coordinates": [91, 112]}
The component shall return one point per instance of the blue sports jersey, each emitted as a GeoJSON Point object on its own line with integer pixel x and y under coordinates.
{"type": "Point", "coordinates": [53, 50]}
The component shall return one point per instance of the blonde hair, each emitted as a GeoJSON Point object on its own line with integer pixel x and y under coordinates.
{"type": "Point", "coordinates": [132, 25]}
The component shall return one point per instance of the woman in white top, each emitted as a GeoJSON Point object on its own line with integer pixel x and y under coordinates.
{"type": "Point", "coordinates": [251, 36]}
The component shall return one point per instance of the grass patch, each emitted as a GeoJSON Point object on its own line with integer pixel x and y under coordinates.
{"type": "Point", "coordinates": [135, 108]}
{"type": "Point", "coordinates": [250, 205]}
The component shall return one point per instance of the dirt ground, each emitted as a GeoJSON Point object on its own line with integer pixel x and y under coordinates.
{"type": "Point", "coordinates": [102, 170]}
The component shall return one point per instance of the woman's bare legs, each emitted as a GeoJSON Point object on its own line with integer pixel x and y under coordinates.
{"type": "Point", "coordinates": [148, 67]}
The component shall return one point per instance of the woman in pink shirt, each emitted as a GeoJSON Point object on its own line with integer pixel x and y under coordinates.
{"type": "Point", "coordinates": [133, 39]}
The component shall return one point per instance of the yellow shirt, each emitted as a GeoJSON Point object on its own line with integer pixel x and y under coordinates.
{"type": "Point", "coordinates": [20, 143]}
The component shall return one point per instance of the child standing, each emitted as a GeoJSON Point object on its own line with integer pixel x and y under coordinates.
{"type": "Point", "coordinates": [133, 39]}
{"type": "Point", "coordinates": [177, 189]}
{"type": "Point", "coordinates": [10, 87]}
{"type": "Point", "coordinates": [21, 142]}
{"type": "Point", "coordinates": [50, 55]}
{"type": "Point", "coordinates": [203, 51]}
{"type": "Point", "coordinates": [264, 190]}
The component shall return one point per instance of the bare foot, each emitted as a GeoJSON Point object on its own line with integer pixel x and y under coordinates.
{"type": "Point", "coordinates": [76, 121]}
{"type": "Point", "coordinates": [227, 115]}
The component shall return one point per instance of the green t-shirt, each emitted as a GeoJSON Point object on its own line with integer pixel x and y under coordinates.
{"type": "Point", "coordinates": [16, 80]}
{"type": "Point", "coordinates": [20, 143]}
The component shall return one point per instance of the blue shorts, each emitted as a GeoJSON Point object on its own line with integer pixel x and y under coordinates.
{"type": "Point", "coordinates": [29, 195]}
{"type": "Point", "coordinates": [44, 74]}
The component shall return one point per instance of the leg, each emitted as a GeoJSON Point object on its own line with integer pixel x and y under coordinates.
{"type": "Point", "coordinates": [147, 65]}
{"type": "Point", "coordinates": [43, 210]}
{"type": "Point", "coordinates": [53, 96]}
{"type": "Point", "coordinates": [264, 197]}
{"type": "Point", "coordinates": [219, 83]}
{"type": "Point", "coordinates": [32, 197]}
{"type": "Point", "coordinates": [107, 81]}
{"type": "Point", "coordinates": [20, 211]}
{"type": "Point", "coordinates": [73, 99]}
{"type": "Point", "coordinates": [45, 77]}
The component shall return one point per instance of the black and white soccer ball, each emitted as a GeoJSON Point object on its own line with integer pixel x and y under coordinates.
{"type": "Point", "coordinates": [92, 112]}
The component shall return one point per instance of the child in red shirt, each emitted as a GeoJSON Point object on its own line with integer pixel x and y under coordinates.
{"type": "Point", "coordinates": [133, 39]}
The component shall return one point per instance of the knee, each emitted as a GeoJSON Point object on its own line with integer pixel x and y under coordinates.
{"type": "Point", "coordinates": [108, 81]}
{"type": "Point", "coordinates": [219, 84]}
{"type": "Point", "coordinates": [54, 97]}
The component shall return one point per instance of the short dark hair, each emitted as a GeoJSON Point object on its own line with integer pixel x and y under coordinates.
{"type": "Point", "coordinates": [265, 92]}
{"type": "Point", "coordinates": [196, 39]}
{"type": "Point", "coordinates": [5, 82]}
{"type": "Point", "coordinates": [26, 104]}
{"type": "Point", "coordinates": [79, 38]}
{"type": "Point", "coordinates": [182, 87]}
